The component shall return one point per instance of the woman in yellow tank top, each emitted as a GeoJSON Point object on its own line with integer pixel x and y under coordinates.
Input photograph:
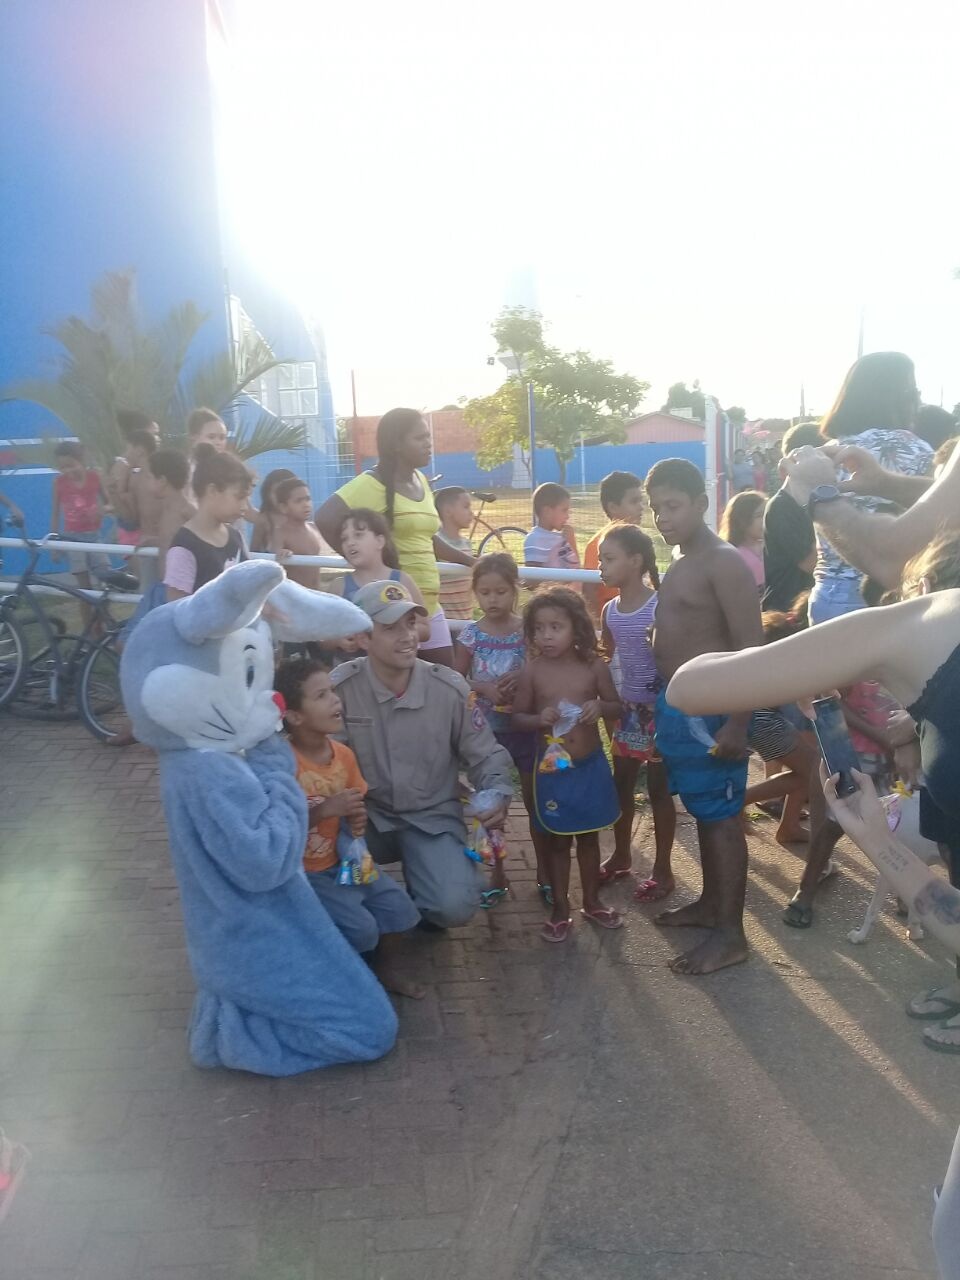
{"type": "Point", "coordinates": [398, 488]}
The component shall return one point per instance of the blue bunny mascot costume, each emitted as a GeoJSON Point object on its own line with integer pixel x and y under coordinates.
{"type": "Point", "coordinates": [279, 990]}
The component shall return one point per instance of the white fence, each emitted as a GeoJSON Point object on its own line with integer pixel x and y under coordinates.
{"type": "Point", "coordinates": [335, 563]}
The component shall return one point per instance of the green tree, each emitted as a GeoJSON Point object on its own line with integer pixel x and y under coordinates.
{"type": "Point", "coordinates": [736, 414]}
{"type": "Point", "coordinates": [112, 361]}
{"type": "Point", "coordinates": [575, 395]}
{"type": "Point", "coordinates": [680, 396]}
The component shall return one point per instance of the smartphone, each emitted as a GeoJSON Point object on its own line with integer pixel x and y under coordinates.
{"type": "Point", "coordinates": [835, 746]}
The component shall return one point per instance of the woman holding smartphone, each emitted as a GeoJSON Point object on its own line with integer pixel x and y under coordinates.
{"type": "Point", "coordinates": [912, 649]}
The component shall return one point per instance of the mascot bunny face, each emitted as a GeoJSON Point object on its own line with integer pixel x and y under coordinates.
{"type": "Point", "coordinates": [198, 673]}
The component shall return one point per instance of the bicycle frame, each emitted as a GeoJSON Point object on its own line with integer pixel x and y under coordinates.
{"type": "Point", "coordinates": [65, 660]}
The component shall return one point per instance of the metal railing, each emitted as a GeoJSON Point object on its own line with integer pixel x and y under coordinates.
{"type": "Point", "coordinates": [335, 564]}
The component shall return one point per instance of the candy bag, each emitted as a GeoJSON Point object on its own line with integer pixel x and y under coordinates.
{"type": "Point", "coordinates": [556, 756]}
{"type": "Point", "coordinates": [356, 864]}
{"type": "Point", "coordinates": [484, 845]}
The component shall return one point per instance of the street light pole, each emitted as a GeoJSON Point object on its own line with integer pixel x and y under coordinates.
{"type": "Point", "coordinates": [532, 425]}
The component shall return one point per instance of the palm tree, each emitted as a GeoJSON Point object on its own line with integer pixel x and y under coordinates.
{"type": "Point", "coordinates": [113, 362]}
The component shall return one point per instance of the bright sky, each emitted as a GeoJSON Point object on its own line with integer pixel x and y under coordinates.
{"type": "Point", "coordinates": [690, 189]}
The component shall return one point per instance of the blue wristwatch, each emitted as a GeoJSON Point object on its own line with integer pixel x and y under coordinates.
{"type": "Point", "coordinates": [822, 493]}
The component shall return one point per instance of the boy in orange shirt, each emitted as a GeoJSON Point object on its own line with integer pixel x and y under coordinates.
{"type": "Point", "coordinates": [370, 915]}
{"type": "Point", "coordinates": [621, 496]}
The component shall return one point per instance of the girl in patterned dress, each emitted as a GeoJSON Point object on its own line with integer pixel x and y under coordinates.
{"type": "Point", "coordinates": [490, 654]}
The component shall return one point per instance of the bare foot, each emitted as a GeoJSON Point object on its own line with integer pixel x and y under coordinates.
{"type": "Point", "coordinates": [697, 915]}
{"type": "Point", "coordinates": [391, 981]}
{"type": "Point", "coordinates": [653, 890]}
{"type": "Point", "coordinates": [615, 868]}
{"type": "Point", "coordinates": [723, 948]}
{"type": "Point", "coordinates": [798, 835]}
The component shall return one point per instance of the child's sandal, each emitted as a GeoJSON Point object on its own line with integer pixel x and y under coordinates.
{"type": "Point", "coordinates": [556, 930]}
{"type": "Point", "coordinates": [604, 917]}
{"type": "Point", "coordinates": [491, 897]}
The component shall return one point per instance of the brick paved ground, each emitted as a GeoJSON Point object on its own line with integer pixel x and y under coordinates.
{"type": "Point", "coordinates": [548, 1112]}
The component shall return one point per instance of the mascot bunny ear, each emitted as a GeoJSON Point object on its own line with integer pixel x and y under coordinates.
{"type": "Point", "coordinates": [297, 614]}
{"type": "Point", "coordinates": [228, 603]}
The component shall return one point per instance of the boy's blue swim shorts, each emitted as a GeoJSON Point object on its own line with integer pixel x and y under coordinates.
{"type": "Point", "coordinates": [710, 789]}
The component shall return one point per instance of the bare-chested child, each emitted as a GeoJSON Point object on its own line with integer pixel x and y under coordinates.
{"type": "Point", "coordinates": [579, 800]}
{"type": "Point", "coordinates": [707, 602]}
{"type": "Point", "coordinates": [295, 534]}
{"type": "Point", "coordinates": [169, 470]}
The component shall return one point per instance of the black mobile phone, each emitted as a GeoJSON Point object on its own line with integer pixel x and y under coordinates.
{"type": "Point", "coordinates": [837, 750]}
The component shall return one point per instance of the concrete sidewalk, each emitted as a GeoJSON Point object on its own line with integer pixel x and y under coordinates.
{"type": "Point", "coordinates": [551, 1113]}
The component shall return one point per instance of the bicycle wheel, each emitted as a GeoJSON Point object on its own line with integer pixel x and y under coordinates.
{"type": "Point", "coordinates": [13, 660]}
{"type": "Point", "coordinates": [48, 688]}
{"type": "Point", "coordinates": [507, 538]}
{"type": "Point", "coordinates": [98, 697]}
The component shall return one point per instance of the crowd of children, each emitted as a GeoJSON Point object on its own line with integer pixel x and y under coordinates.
{"type": "Point", "coordinates": [531, 659]}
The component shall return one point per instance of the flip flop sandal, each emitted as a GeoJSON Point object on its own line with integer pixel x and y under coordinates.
{"type": "Point", "coordinates": [947, 1009]}
{"type": "Point", "coordinates": [604, 917]}
{"type": "Point", "coordinates": [491, 897]}
{"type": "Point", "coordinates": [797, 916]}
{"type": "Point", "coordinates": [556, 930]}
{"type": "Point", "coordinates": [607, 876]}
{"type": "Point", "coordinates": [644, 891]}
{"type": "Point", "coordinates": [938, 1045]}
{"type": "Point", "coordinates": [546, 893]}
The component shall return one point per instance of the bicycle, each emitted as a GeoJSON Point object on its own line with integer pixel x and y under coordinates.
{"type": "Point", "coordinates": [42, 682]}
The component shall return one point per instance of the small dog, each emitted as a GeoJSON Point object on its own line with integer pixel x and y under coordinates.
{"type": "Point", "coordinates": [903, 809]}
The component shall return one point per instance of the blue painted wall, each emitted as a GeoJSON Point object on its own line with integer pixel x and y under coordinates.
{"type": "Point", "coordinates": [599, 460]}
{"type": "Point", "coordinates": [107, 161]}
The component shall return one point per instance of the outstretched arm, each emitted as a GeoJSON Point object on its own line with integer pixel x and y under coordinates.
{"type": "Point", "coordinates": [936, 903]}
{"type": "Point", "coordinates": [251, 815]}
{"type": "Point", "coordinates": [878, 545]}
{"type": "Point", "coordinates": [837, 653]}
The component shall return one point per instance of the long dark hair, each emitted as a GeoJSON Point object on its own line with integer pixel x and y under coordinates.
{"type": "Point", "coordinates": [880, 390]}
{"type": "Point", "coordinates": [392, 429]}
{"type": "Point", "coordinates": [570, 603]}
{"type": "Point", "coordinates": [364, 518]}
{"type": "Point", "coordinates": [635, 543]}
{"type": "Point", "coordinates": [739, 515]}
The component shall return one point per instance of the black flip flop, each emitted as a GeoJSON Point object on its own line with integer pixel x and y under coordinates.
{"type": "Point", "coordinates": [949, 1010]}
{"type": "Point", "coordinates": [939, 1048]}
{"type": "Point", "coordinates": [797, 916]}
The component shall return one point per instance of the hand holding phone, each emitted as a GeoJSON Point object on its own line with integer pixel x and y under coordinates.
{"type": "Point", "coordinates": [835, 746]}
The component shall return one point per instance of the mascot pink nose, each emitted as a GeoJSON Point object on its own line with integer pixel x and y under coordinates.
{"type": "Point", "coordinates": [281, 703]}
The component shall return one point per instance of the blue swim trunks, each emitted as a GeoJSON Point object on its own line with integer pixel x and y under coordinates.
{"type": "Point", "coordinates": [578, 800]}
{"type": "Point", "coordinates": [710, 789]}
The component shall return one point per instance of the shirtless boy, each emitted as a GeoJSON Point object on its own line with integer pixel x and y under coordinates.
{"type": "Point", "coordinates": [168, 471]}
{"type": "Point", "coordinates": [579, 800]}
{"type": "Point", "coordinates": [295, 534]}
{"type": "Point", "coordinates": [707, 603]}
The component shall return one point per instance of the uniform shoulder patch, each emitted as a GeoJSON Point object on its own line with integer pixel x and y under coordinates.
{"type": "Point", "coordinates": [447, 676]}
{"type": "Point", "coordinates": [345, 670]}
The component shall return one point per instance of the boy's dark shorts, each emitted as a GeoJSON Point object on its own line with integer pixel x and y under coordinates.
{"type": "Point", "coordinates": [711, 789]}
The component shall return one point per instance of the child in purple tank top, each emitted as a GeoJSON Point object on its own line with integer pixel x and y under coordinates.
{"type": "Point", "coordinates": [627, 561]}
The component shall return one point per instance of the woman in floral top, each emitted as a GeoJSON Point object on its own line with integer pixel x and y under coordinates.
{"type": "Point", "coordinates": [875, 410]}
